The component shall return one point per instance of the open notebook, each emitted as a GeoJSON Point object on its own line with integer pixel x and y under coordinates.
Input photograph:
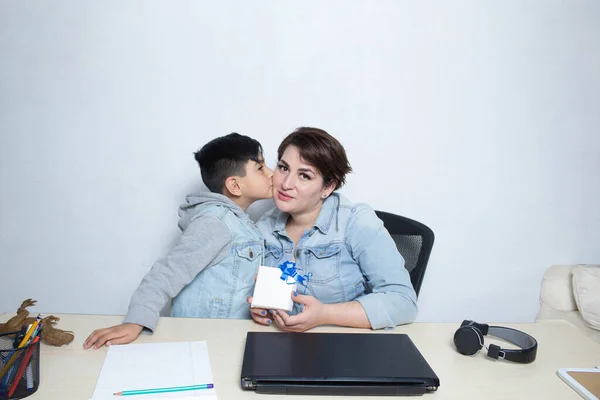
{"type": "Point", "coordinates": [585, 381]}
{"type": "Point", "coordinates": [155, 365]}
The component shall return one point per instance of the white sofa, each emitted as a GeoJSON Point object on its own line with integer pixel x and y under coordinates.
{"type": "Point", "coordinates": [572, 293]}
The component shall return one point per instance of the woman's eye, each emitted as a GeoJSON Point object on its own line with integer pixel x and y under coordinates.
{"type": "Point", "coordinates": [305, 177]}
{"type": "Point", "coordinates": [282, 167]}
{"type": "Point", "coordinates": [261, 167]}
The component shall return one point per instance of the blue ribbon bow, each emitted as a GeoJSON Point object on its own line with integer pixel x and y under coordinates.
{"type": "Point", "coordinates": [289, 274]}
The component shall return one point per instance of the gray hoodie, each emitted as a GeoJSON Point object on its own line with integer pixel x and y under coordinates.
{"type": "Point", "coordinates": [206, 241]}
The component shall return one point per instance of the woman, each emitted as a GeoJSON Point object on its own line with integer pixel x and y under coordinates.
{"type": "Point", "coordinates": [356, 275]}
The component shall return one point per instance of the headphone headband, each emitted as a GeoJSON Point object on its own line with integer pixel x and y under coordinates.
{"type": "Point", "coordinates": [469, 339]}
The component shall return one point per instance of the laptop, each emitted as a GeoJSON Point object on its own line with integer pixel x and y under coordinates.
{"type": "Point", "coordinates": [336, 364]}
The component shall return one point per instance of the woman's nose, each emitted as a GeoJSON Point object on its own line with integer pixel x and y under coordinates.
{"type": "Point", "coordinates": [287, 182]}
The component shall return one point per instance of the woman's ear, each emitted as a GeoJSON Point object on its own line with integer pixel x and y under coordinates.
{"type": "Point", "coordinates": [328, 189]}
{"type": "Point", "coordinates": [233, 186]}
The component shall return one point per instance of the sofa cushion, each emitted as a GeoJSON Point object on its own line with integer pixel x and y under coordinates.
{"type": "Point", "coordinates": [557, 289]}
{"type": "Point", "coordinates": [586, 290]}
{"type": "Point", "coordinates": [574, 317]}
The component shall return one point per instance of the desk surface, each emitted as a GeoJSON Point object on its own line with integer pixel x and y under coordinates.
{"type": "Point", "coordinates": [70, 372]}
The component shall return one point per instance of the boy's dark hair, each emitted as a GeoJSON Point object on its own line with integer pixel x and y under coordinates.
{"type": "Point", "coordinates": [226, 156]}
{"type": "Point", "coordinates": [321, 150]}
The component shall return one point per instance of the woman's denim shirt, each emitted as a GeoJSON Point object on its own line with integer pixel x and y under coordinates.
{"type": "Point", "coordinates": [350, 255]}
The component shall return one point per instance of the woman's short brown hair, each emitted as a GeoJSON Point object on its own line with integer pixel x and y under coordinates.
{"type": "Point", "coordinates": [320, 149]}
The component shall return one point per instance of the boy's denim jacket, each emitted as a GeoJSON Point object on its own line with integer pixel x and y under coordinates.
{"type": "Point", "coordinates": [221, 290]}
{"type": "Point", "coordinates": [350, 255]}
{"type": "Point", "coordinates": [210, 272]}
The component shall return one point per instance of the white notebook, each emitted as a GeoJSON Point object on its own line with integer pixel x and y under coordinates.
{"type": "Point", "coordinates": [155, 365]}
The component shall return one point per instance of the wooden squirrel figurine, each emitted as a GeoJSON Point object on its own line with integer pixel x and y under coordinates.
{"type": "Point", "coordinates": [50, 335]}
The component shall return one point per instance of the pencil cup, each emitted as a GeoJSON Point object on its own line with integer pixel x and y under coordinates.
{"type": "Point", "coordinates": [19, 367]}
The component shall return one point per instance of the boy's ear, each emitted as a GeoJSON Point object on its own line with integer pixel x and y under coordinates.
{"type": "Point", "coordinates": [232, 185]}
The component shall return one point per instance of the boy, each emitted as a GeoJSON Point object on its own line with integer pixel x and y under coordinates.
{"type": "Point", "coordinates": [210, 272]}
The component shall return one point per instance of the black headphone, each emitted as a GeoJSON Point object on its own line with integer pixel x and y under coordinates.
{"type": "Point", "coordinates": [468, 340]}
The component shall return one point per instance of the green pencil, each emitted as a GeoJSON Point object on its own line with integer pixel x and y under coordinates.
{"type": "Point", "coordinates": [164, 390]}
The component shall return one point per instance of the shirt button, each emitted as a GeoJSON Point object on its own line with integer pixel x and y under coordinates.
{"type": "Point", "coordinates": [251, 254]}
{"type": "Point", "coordinates": [297, 253]}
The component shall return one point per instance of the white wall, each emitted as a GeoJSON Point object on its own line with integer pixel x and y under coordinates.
{"type": "Point", "coordinates": [480, 119]}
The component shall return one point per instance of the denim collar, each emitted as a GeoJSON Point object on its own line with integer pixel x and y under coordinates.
{"type": "Point", "coordinates": [328, 212]}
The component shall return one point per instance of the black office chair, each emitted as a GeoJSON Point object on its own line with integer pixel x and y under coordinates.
{"type": "Point", "coordinates": [413, 240]}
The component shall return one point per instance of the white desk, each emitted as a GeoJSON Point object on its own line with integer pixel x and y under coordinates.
{"type": "Point", "coordinates": [70, 372]}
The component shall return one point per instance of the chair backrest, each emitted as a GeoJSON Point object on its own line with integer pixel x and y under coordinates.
{"type": "Point", "coordinates": [413, 240]}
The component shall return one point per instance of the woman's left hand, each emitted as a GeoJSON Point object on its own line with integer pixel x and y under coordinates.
{"type": "Point", "coordinates": [312, 315]}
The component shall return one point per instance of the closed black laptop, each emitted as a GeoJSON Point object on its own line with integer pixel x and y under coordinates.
{"type": "Point", "coordinates": [335, 363]}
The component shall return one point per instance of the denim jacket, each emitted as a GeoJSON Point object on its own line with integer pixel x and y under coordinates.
{"type": "Point", "coordinates": [350, 255]}
{"type": "Point", "coordinates": [221, 290]}
{"type": "Point", "coordinates": [210, 272]}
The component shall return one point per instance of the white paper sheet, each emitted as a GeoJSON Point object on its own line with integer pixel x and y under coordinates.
{"type": "Point", "coordinates": [155, 365]}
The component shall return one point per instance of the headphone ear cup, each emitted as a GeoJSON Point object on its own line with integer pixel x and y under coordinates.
{"type": "Point", "coordinates": [468, 340]}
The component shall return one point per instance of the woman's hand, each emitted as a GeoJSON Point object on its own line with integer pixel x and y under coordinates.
{"type": "Point", "coordinates": [312, 315]}
{"type": "Point", "coordinates": [119, 334]}
{"type": "Point", "coordinates": [258, 314]}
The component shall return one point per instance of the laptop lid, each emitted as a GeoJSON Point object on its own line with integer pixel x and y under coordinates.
{"type": "Point", "coordinates": [335, 363]}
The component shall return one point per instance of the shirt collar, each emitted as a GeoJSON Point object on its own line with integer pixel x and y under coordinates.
{"type": "Point", "coordinates": [328, 213]}
{"type": "Point", "coordinates": [324, 220]}
{"type": "Point", "coordinates": [280, 223]}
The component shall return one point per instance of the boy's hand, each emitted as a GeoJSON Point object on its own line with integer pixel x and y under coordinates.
{"type": "Point", "coordinates": [119, 334]}
{"type": "Point", "coordinates": [312, 315]}
{"type": "Point", "coordinates": [259, 315]}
